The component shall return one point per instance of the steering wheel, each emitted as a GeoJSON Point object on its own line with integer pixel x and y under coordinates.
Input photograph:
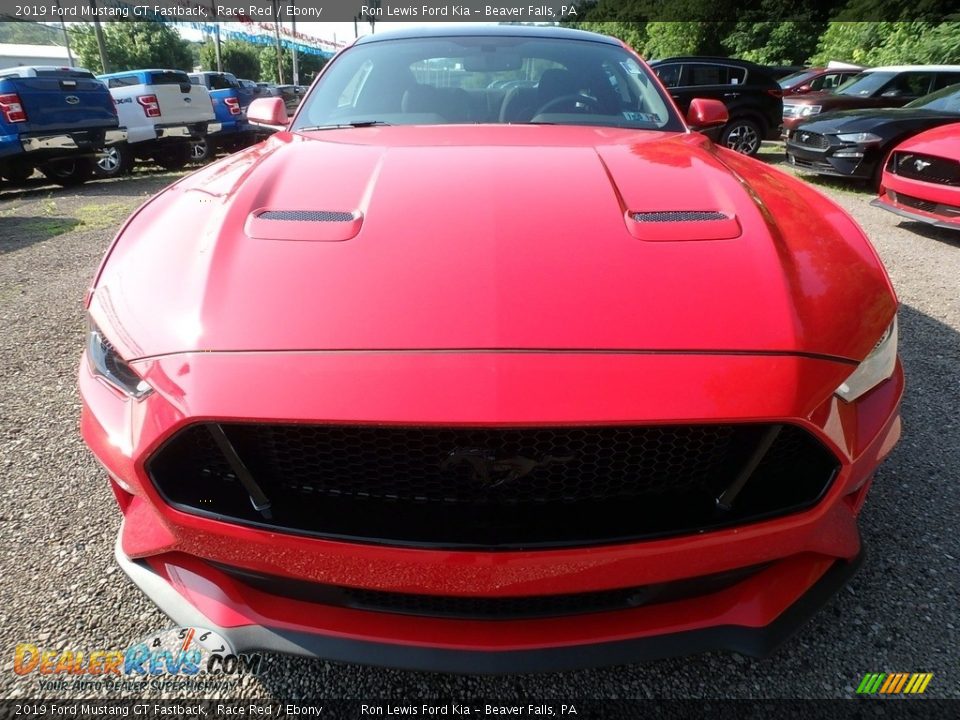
{"type": "Point", "coordinates": [591, 102]}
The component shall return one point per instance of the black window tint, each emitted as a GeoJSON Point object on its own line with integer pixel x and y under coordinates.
{"type": "Point", "coordinates": [66, 73]}
{"type": "Point", "coordinates": [909, 84]}
{"type": "Point", "coordinates": [123, 81]}
{"type": "Point", "coordinates": [945, 79]}
{"type": "Point", "coordinates": [698, 74]}
{"type": "Point", "coordinates": [736, 76]}
{"type": "Point", "coordinates": [169, 78]}
{"type": "Point", "coordinates": [669, 74]}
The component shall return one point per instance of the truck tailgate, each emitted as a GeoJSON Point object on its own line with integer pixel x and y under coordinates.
{"type": "Point", "coordinates": [180, 102]}
{"type": "Point", "coordinates": [62, 101]}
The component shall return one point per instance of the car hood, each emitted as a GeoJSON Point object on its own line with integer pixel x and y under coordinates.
{"type": "Point", "coordinates": [830, 100]}
{"type": "Point", "coordinates": [496, 237]}
{"type": "Point", "coordinates": [868, 120]}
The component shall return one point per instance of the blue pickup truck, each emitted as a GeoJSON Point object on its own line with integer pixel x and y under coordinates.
{"type": "Point", "coordinates": [230, 101]}
{"type": "Point", "coordinates": [56, 120]}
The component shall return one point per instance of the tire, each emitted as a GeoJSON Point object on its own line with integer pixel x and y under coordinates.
{"type": "Point", "coordinates": [743, 136]}
{"type": "Point", "coordinates": [201, 151]}
{"type": "Point", "coordinates": [69, 173]}
{"type": "Point", "coordinates": [175, 157]}
{"type": "Point", "coordinates": [17, 173]}
{"type": "Point", "coordinates": [117, 161]}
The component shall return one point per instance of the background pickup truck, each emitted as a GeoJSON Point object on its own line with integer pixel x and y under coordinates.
{"type": "Point", "coordinates": [230, 103]}
{"type": "Point", "coordinates": [164, 115]}
{"type": "Point", "coordinates": [54, 119]}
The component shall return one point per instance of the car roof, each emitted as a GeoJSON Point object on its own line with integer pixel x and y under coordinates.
{"type": "Point", "coordinates": [31, 70]}
{"type": "Point", "coordinates": [140, 70]}
{"type": "Point", "coordinates": [924, 68]}
{"type": "Point", "coordinates": [711, 59]}
{"type": "Point", "coordinates": [469, 30]}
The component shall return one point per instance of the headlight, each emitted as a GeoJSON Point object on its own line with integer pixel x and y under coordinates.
{"type": "Point", "coordinates": [863, 138]}
{"type": "Point", "coordinates": [875, 368]}
{"type": "Point", "coordinates": [107, 363]}
{"type": "Point", "coordinates": [807, 110]}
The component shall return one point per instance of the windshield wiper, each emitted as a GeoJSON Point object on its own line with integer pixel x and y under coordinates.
{"type": "Point", "coordinates": [335, 126]}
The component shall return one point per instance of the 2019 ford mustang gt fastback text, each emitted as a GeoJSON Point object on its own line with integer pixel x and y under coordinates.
{"type": "Point", "coordinates": [488, 362]}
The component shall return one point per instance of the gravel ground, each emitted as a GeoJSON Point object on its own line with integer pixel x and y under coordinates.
{"type": "Point", "coordinates": [60, 587]}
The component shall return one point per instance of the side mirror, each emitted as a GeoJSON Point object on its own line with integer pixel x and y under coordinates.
{"type": "Point", "coordinates": [802, 89]}
{"type": "Point", "coordinates": [705, 113]}
{"type": "Point", "coordinates": [268, 111]}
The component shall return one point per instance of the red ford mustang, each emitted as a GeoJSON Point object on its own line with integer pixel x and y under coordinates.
{"type": "Point", "coordinates": [921, 180]}
{"type": "Point", "coordinates": [490, 363]}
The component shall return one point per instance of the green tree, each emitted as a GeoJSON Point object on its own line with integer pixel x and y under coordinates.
{"type": "Point", "coordinates": [695, 37]}
{"type": "Point", "coordinates": [30, 33]}
{"type": "Point", "coordinates": [239, 58]}
{"type": "Point", "coordinates": [131, 46]}
{"type": "Point", "coordinates": [776, 43]}
{"type": "Point", "coordinates": [890, 43]}
{"type": "Point", "coordinates": [633, 34]}
{"type": "Point", "coordinates": [309, 65]}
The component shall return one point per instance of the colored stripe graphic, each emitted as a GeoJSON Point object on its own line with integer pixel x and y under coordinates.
{"type": "Point", "coordinates": [894, 683]}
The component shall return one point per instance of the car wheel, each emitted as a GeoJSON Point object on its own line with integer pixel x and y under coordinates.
{"type": "Point", "coordinates": [200, 151]}
{"type": "Point", "coordinates": [17, 172]}
{"type": "Point", "coordinates": [173, 158]}
{"type": "Point", "coordinates": [116, 160]}
{"type": "Point", "coordinates": [69, 172]}
{"type": "Point", "coordinates": [743, 136]}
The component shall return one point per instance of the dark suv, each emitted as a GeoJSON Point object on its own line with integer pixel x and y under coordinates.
{"type": "Point", "coordinates": [752, 96]}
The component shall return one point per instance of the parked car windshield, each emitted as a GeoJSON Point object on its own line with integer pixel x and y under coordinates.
{"type": "Point", "coordinates": [865, 84]}
{"type": "Point", "coordinates": [797, 78]}
{"type": "Point", "coordinates": [486, 79]}
{"type": "Point", "coordinates": [946, 100]}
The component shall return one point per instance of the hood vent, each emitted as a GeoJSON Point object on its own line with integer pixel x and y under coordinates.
{"type": "Point", "coordinates": [663, 216]}
{"type": "Point", "coordinates": [682, 225]}
{"type": "Point", "coordinates": [307, 215]}
{"type": "Point", "coordinates": [305, 225]}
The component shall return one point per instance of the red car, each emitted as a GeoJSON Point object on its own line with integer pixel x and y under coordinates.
{"type": "Point", "coordinates": [817, 79]}
{"type": "Point", "coordinates": [489, 363]}
{"type": "Point", "coordinates": [921, 179]}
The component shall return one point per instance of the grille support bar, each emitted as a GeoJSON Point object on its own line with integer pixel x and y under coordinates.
{"type": "Point", "coordinates": [727, 498]}
{"type": "Point", "coordinates": [258, 498]}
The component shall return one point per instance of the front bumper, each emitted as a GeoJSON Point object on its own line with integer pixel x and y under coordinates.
{"type": "Point", "coordinates": [177, 558]}
{"type": "Point", "coordinates": [178, 590]}
{"type": "Point", "coordinates": [933, 204]}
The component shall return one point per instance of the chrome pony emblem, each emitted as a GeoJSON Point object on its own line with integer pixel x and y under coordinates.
{"type": "Point", "coordinates": [491, 471]}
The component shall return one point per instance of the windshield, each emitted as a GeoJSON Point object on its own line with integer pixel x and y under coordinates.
{"type": "Point", "coordinates": [797, 78]}
{"type": "Point", "coordinates": [439, 81]}
{"type": "Point", "coordinates": [865, 84]}
{"type": "Point", "coordinates": [946, 100]}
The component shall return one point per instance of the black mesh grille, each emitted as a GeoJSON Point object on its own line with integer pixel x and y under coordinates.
{"type": "Point", "coordinates": [949, 211]}
{"type": "Point", "coordinates": [490, 608]}
{"type": "Point", "coordinates": [678, 216]}
{"type": "Point", "coordinates": [491, 487]}
{"type": "Point", "coordinates": [811, 139]}
{"type": "Point", "coordinates": [307, 215]}
{"type": "Point", "coordinates": [928, 168]}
